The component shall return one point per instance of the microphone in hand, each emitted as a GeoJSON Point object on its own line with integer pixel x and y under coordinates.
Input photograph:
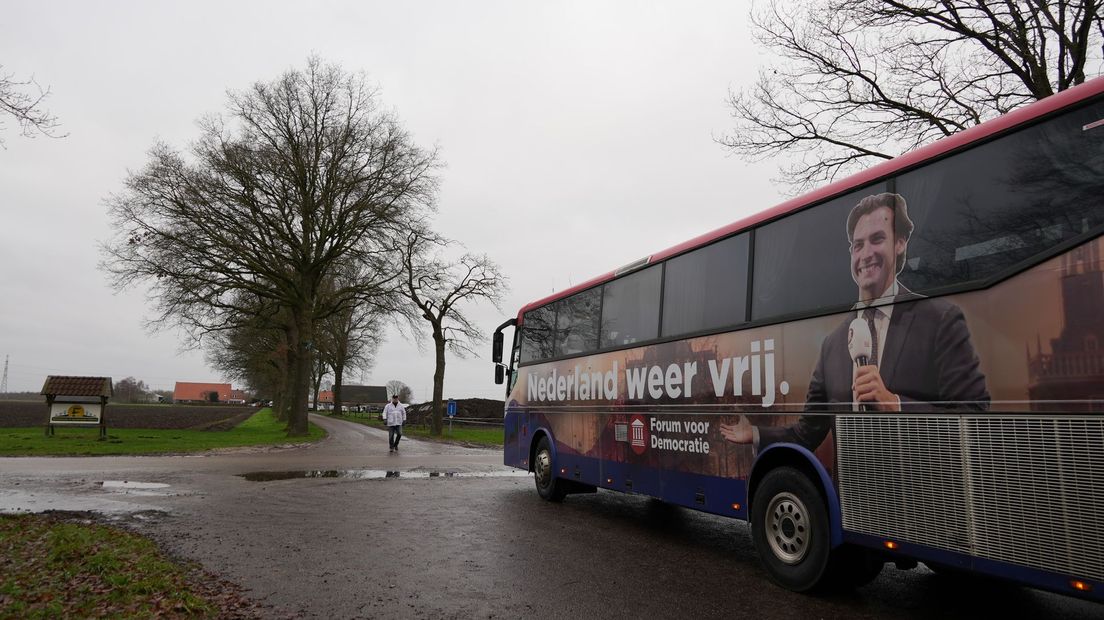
{"type": "Point", "coordinates": [860, 346]}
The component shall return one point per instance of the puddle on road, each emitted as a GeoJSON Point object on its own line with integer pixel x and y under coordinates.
{"type": "Point", "coordinates": [130, 484]}
{"type": "Point", "coordinates": [375, 474]}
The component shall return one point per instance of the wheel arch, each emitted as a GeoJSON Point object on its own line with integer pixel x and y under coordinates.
{"type": "Point", "coordinates": [541, 431]}
{"type": "Point", "coordinates": [793, 455]}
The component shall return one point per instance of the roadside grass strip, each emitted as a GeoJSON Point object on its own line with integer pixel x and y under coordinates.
{"type": "Point", "coordinates": [485, 436]}
{"type": "Point", "coordinates": [262, 428]}
{"type": "Point", "coordinates": [54, 568]}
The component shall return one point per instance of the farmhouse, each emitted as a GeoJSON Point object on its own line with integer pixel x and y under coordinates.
{"type": "Point", "coordinates": [325, 400]}
{"type": "Point", "coordinates": [186, 392]}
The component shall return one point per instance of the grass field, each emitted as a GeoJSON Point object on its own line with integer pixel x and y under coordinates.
{"type": "Point", "coordinates": [54, 568]}
{"type": "Point", "coordinates": [262, 428]}
{"type": "Point", "coordinates": [490, 435]}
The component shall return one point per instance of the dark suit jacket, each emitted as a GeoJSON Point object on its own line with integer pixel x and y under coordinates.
{"type": "Point", "coordinates": [928, 361]}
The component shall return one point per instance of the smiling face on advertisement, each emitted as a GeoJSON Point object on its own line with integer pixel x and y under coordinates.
{"type": "Point", "coordinates": [874, 253]}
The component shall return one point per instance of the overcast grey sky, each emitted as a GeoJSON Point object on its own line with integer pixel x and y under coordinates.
{"type": "Point", "coordinates": [578, 136]}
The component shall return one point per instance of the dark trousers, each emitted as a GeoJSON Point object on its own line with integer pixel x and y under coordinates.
{"type": "Point", "coordinates": [394, 434]}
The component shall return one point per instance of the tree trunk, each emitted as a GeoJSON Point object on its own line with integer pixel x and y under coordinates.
{"type": "Point", "coordinates": [438, 380]}
{"type": "Point", "coordinates": [339, 371]}
{"type": "Point", "coordinates": [300, 365]}
{"type": "Point", "coordinates": [282, 401]}
{"type": "Point", "coordinates": [318, 368]}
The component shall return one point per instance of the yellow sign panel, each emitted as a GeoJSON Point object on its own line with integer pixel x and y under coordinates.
{"type": "Point", "coordinates": [75, 413]}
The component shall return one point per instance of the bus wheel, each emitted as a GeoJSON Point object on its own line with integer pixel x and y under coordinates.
{"type": "Point", "coordinates": [548, 486]}
{"type": "Point", "coordinates": [789, 525]}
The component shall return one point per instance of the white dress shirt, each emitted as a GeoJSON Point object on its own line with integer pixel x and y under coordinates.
{"type": "Point", "coordinates": [883, 311]}
{"type": "Point", "coordinates": [394, 414]}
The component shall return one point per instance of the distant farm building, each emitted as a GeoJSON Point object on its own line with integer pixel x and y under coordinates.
{"type": "Point", "coordinates": [186, 392]}
{"type": "Point", "coordinates": [362, 397]}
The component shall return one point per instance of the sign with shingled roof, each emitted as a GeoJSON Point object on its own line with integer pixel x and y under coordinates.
{"type": "Point", "coordinates": [77, 401]}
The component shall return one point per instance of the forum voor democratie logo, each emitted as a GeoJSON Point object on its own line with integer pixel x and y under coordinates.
{"type": "Point", "coordinates": [674, 435]}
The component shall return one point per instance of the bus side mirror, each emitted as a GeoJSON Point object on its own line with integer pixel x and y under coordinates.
{"type": "Point", "coordinates": [496, 349]}
{"type": "Point", "coordinates": [499, 374]}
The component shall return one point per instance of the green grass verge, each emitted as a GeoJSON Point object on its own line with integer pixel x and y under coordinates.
{"type": "Point", "coordinates": [262, 428]}
{"type": "Point", "coordinates": [55, 569]}
{"type": "Point", "coordinates": [491, 436]}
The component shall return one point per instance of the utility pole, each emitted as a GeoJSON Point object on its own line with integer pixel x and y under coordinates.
{"type": "Point", "coordinates": [4, 381]}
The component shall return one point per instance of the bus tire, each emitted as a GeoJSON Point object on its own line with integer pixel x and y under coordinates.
{"type": "Point", "coordinates": [789, 526]}
{"type": "Point", "coordinates": [549, 487]}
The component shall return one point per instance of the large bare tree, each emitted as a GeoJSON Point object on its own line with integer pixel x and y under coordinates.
{"type": "Point", "coordinates": [24, 101]}
{"type": "Point", "coordinates": [858, 81]}
{"type": "Point", "coordinates": [303, 178]}
{"type": "Point", "coordinates": [440, 290]}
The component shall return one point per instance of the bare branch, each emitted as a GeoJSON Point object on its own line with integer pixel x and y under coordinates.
{"type": "Point", "coordinates": [858, 81]}
{"type": "Point", "coordinates": [23, 100]}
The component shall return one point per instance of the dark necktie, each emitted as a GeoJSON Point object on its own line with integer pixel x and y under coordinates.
{"type": "Point", "coordinates": [868, 314]}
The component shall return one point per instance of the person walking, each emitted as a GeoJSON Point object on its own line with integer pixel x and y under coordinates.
{"type": "Point", "coordinates": [394, 414]}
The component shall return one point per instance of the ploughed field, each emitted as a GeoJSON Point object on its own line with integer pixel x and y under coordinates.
{"type": "Point", "coordinates": [21, 414]}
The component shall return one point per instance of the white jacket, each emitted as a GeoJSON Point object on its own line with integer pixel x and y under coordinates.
{"type": "Point", "coordinates": [394, 415]}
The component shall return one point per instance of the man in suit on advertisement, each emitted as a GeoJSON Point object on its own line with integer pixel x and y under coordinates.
{"type": "Point", "coordinates": [921, 357]}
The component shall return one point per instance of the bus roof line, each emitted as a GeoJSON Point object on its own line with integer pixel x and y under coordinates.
{"type": "Point", "coordinates": [942, 146]}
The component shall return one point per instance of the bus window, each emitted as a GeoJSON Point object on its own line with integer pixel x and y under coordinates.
{"type": "Point", "coordinates": [706, 288]}
{"type": "Point", "coordinates": [801, 261]}
{"type": "Point", "coordinates": [537, 333]}
{"type": "Point", "coordinates": [630, 308]}
{"type": "Point", "coordinates": [984, 210]}
{"type": "Point", "coordinates": [577, 323]}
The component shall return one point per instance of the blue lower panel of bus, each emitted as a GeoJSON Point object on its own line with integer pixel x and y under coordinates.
{"type": "Point", "coordinates": [722, 496]}
{"type": "Point", "coordinates": [1073, 585]}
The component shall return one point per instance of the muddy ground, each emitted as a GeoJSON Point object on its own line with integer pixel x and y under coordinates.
{"type": "Point", "coordinates": [344, 529]}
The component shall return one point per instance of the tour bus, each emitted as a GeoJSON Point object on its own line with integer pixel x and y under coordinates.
{"type": "Point", "coordinates": [905, 366]}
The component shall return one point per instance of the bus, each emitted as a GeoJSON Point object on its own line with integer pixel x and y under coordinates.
{"type": "Point", "coordinates": [905, 366]}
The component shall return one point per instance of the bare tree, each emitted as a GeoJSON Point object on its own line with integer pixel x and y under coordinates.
{"type": "Point", "coordinates": [859, 81]}
{"type": "Point", "coordinates": [440, 289]}
{"type": "Point", "coordinates": [348, 340]}
{"type": "Point", "coordinates": [24, 101]}
{"type": "Point", "coordinates": [395, 386]}
{"type": "Point", "coordinates": [319, 371]}
{"type": "Point", "coordinates": [254, 353]}
{"type": "Point", "coordinates": [306, 178]}
{"type": "Point", "coordinates": [131, 390]}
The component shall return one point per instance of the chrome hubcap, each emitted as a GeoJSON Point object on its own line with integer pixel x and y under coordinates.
{"type": "Point", "coordinates": [543, 468]}
{"type": "Point", "coordinates": [788, 528]}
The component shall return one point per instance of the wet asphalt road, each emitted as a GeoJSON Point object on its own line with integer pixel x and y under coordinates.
{"type": "Point", "coordinates": [462, 547]}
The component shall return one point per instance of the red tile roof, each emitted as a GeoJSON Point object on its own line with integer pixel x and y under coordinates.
{"type": "Point", "coordinates": [77, 386]}
{"type": "Point", "coordinates": [200, 391]}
